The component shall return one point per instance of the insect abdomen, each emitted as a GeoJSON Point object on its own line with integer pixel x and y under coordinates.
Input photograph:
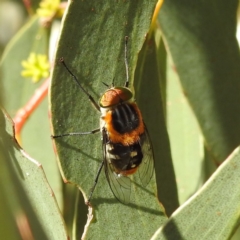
{"type": "Point", "coordinates": [125, 159]}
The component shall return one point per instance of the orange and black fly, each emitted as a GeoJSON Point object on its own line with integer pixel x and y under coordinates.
{"type": "Point", "coordinates": [126, 144]}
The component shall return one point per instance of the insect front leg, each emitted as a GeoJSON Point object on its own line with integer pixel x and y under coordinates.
{"type": "Point", "coordinates": [76, 133]}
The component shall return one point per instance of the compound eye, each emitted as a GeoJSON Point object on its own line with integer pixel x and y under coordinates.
{"type": "Point", "coordinates": [115, 96]}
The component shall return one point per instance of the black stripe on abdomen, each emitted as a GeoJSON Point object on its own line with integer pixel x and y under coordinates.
{"type": "Point", "coordinates": [125, 118]}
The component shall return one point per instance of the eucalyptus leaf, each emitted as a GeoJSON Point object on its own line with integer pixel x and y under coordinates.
{"type": "Point", "coordinates": [27, 199]}
{"type": "Point", "coordinates": [201, 37]}
{"type": "Point", "coordinates": [92, 45]}
{"type": "Point", "coordinates": [213, 212]}
{"type": "Point", "coordinates": [18, 91]}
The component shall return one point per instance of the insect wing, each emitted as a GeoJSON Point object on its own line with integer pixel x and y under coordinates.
{"type": "Point", "coordinates": [119, 184]}
{"type": "Point", "coordinates": [146, 168]}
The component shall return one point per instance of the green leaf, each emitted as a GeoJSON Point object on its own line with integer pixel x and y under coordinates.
{"type": "Point", "coordinates": [35, 135]}
{"type": "Point", "coordinates": [149, 86]}
{"type": "Point", "coordinates": [201, 39]}
{"type": "Point", "coordinates": [92, 45]}
{"type": "Point", "coordinates": [28, 200]}
{"type": "Point", "coordinates": [213, 212]}
{"type": "Point", "coordinates": [80, 216]}
{"type": "Point", "coordinates": [186, 140]}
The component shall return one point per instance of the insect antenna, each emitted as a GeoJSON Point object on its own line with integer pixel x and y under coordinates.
{"type": "Point", "coordinates": [105, 84]}
{"type": "Point", "coordinates": [95, 104]}
{"type": "Point", "coordinates": [113, 84]}
{"type": "Point", "coordinates": [126, 62]}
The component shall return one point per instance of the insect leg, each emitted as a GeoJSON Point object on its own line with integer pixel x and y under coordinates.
{"type": "Point", "coordinates": [76, 133]}
{"type": "Point", "coordinates": [95, 183]}
{"type": "Point", "coordinates": [94, 103]}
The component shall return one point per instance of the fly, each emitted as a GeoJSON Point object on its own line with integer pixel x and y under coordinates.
{"type": "Point", "coordinates": [126, 143]}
